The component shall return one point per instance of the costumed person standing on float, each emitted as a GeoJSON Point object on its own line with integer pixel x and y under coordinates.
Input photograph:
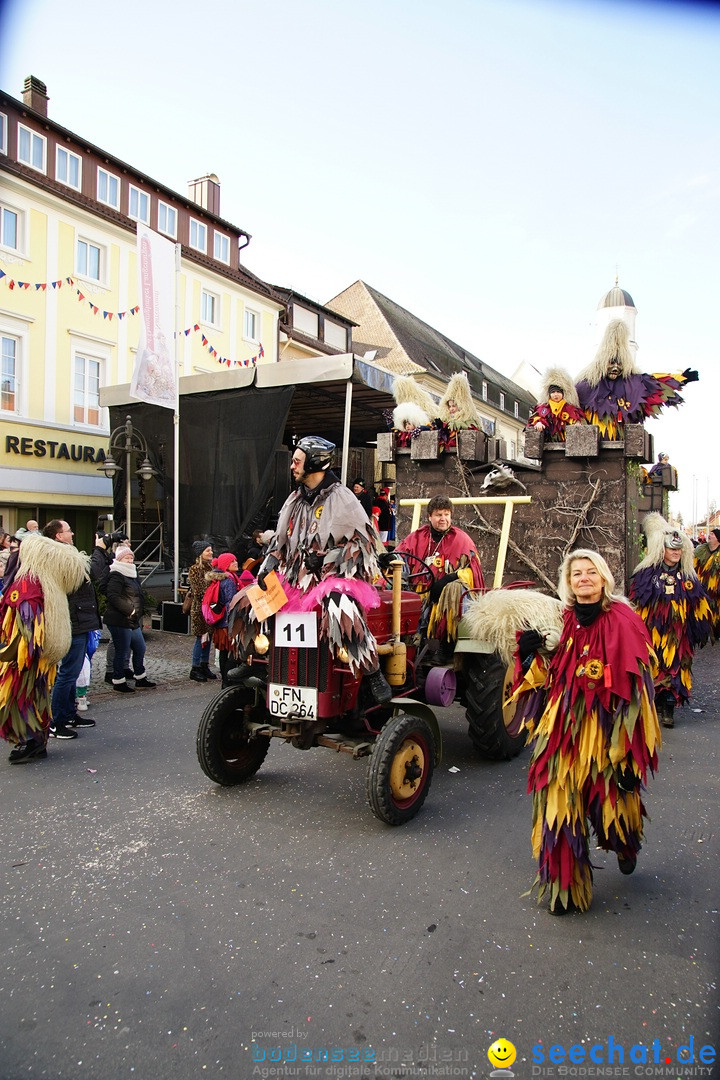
{"type": "Point", "coordinates": [614, 392]}
{"type": "Point", "coordinates": [672, 603]}
{"type": "Point", "coordinates": [559, 406]}
{"type": "Point", "coordinates": [325, 551]}
{"type": "Point", "coordinates": [36, 634]}
{"type": "Point", "coordinates": [456, 411]}
{"type": "Point", "coordinates": [593, 730]}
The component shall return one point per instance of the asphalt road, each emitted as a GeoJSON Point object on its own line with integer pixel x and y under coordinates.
{"type": "Point", "coordinates": [155, 926]}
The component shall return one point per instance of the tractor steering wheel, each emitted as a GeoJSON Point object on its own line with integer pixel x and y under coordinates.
{"type": "Point", "coordinates": [424, 577]}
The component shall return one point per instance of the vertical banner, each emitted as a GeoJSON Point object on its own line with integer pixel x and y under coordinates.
{"type": "Point", "coordinates": [153, 379]}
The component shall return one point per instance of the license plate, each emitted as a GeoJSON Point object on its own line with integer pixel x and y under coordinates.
{"type": "Point", "coordinates": [292, 702]}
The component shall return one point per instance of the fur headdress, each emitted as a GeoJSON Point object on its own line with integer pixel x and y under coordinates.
{"type": "Point", "coordinates": [614, 346]}
{"type": "Point", "coordinates": [407, 391]}
{"type": "Point", "coordinates": [458, 390]}
{"type": "Point", "coordinates": [557, 376]}
{"type": "Point", "coordinates": [60, 569]}
{"type": "Point", "coordinates": [659, 534]}
{"type": "Point", "coordinates": [409, 412]}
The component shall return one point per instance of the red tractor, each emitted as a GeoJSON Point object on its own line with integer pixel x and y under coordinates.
{"type": "Point", "coordinates": [292, 688]}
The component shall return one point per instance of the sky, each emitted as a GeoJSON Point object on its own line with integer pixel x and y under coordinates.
{"type": "Point", "coordinates": [490, 165]}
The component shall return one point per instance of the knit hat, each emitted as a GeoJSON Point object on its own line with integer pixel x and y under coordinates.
{"type": "Point", "coordinates": [122, 549]}
{"type": "Point", "coordinates": [199, 546]}
{"type": "Point", "coordinates": [225, 561]}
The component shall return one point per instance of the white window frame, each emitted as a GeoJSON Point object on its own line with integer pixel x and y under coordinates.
{"type": "Point", "coordinates": [102, 260]}
{"type": "Point", "coordinates": [200, 228]}
{"type": "Point", "coordinates": [20, 245]}
{"type": "Point", "coordinates": [484, 390]}
{"type": "Point", "coordinates": [502, 401]}
{"type": "Point", "coordinates": [132, 190]}
{"type": "Point", "coordinates": [3, 133]}
{"type": "Point", "coordinates": [16, 374]}
{"type": "Point", "coordinates": [220, 239]}
{"type": "Point", "coordinates": [41, 139]}
{"type": "Point", "coordinates": [247, 336]}
{"type": "Point", "coordinates": [517, 410]}
{"type": "Point", "coordinates": [88, 356]}
{"type": "Point", "coordinates": [172, 210]}
{"type": "Point", "coordinates": [205, 296]}
{"type": "Point", "coordinates": [110, 176]}
{"type": "Point", "coordinates": [19, 329]}
{"type": "Point", "coordinates": [70, 154]}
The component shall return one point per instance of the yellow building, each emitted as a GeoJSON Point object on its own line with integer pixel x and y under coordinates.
{"type": "Point", "coordinates": [68, 305]}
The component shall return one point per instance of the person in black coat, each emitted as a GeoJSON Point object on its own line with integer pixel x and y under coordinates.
{"type": "Point", "coordinates": [123, 616]}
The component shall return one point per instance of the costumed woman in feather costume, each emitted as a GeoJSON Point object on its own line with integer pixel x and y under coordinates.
{"type": "Point", "coordinates": [707, 564]}
{"type": "Point", "coordinates": [613, 392]}
{"type": "Point", "coordinates": [326, 552]}
{"type": "Point", "coordinates": [558, 408]}
{"type": "Point", "coordinates": [36, 635]}
{"type": "Point", "coordinates": [672, 603]}
{"type": "Point", "coordinates": [593, 730]}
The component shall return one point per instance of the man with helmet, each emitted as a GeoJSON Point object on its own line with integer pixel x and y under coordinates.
{"type": "Point", "coordinates": [327, 550]}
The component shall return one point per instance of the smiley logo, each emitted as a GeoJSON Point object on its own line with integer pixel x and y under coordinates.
{"type": "Point", "coordinates": [501, 1054]}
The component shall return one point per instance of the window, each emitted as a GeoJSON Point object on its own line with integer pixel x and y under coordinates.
{"type": "Point", "coordinates": [3, 133]}
{"type": "Point", "coordinates": [108, 189]}
{"type": "Point", "coordinates": [251, 325]}
{"type": "Point", "coordinates": [167, 219]}
{"type": "Point", "coordinates": [198, 235]}
{"type": "Point", "coordinates": [86, 391]}
{"type": "Point", "coordinates": [335, 335]}
{"type": "Point", "coordinates": [68, 167]}
{"type": "Point", "coordinates": [502, 400]}
{"type": "Point", "coordinates": [10, 228]}
{"type": "Point", "coordinates": [89, 260]}
{"type": "Point", "coordinates": [210, 308]}
{"type": "Point", "coordinates": [517, 409]}
{"type": "Point", "coordinates": [484, 391]}
{"type": "Point", "coordinates": [139, 205]}
{"type": "Point", "coordinates": [31, 148]}
{"type": "Point", "coordinates": [221, 248]}
{"type": "Point", "coordinates": [305, 321]}
{"type": "Point", "coordinates": [9, 374]}
{"type": "Point", "coordinates": [513, 449]}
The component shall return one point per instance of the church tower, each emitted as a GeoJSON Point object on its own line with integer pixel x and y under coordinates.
{"type": "Point", "coordinates": [616, 304]}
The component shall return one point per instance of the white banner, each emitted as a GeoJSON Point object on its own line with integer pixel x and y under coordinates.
{"type": "Point", "coordinates": [153, 379]}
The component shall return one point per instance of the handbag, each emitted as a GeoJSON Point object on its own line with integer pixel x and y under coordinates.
{"type": "Point", "coordinates": [187, 603]}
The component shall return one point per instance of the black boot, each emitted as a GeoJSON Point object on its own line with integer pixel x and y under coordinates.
{"type": "Point", "coordinates": [208, 672]}
{"type": "Point", "coordinates": [669, 720]}
{"type": "Point", "coordinates": [198, 675]}
{"type": "Point", "coordinates": [379, 686]}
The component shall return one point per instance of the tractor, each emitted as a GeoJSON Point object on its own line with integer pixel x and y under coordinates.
{"type": "Point", "coordinates": [292, 687]}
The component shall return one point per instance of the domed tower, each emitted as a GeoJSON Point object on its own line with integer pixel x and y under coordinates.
{"type": "Point", "coordinates": [617, 304]}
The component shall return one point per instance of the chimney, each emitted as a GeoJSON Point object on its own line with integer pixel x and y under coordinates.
{"type": "Point", "coordinates": [205, 191]}
{"type": "Point", "coordinates": [35, 95]}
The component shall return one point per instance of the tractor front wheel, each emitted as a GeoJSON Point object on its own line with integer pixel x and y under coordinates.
{"type": "Point", "coordinates": [494, 727]}
{"type": "Point", "coordinates": [227, 754]}
{"type": "Point", "coordinates": [400, 769]}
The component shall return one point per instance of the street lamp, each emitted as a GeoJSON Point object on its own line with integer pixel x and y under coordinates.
{"type": "Point", "coordinates": [128, 440]}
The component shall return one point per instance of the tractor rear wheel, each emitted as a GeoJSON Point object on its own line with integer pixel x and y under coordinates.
{"type": "Point", "coordinates": [400, 768]}
{"type": "Point", "coordinates": [494, 727]}
{"type": "Point", "coordinates": [225, 751]}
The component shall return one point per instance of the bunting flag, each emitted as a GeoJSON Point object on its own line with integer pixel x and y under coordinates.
{"type": "Point", "coordinates": [13, 283]}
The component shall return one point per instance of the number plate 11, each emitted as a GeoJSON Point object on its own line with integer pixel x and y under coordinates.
{"type": "Point", "coordinates": [296, 631]}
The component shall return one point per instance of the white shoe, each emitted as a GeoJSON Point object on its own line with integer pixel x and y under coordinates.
{"type": "Point", "coordinates": [81, 704]}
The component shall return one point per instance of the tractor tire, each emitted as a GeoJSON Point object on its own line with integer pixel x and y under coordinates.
{"type": "Point", "coordinates": [400, 769]}
{"type": "Point", "coordinates": [493, 728]}
{"type": "Point", "coordinates": [225, 752]}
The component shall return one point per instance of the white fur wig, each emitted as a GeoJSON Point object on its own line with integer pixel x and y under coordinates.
{"type": "Point", "coordinates": [614, 346]}
{"type": "Point", "coordinates": [458, 390]}
{"type": "Point", "coordinates": [60, 569]}
{"type": "Point", "coordinates": [499, 614]}
{"type": "Point", "coordinates": [409, 412]}
{"type": "Point", "coordinates": [557, 376]}
{"type": "Point", "coordinates": [407, 392]}
{"type": "Point", "coordinates": [656, 529]}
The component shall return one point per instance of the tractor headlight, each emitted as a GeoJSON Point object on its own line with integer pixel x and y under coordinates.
{"type": "Point", "coordinates": [342, 655]}
{"type": "Point", "coordinates": [261, 644]}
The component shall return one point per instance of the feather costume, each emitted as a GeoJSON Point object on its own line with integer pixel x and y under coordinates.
{"type": "Point", "coordinates": [325, 546]}
{"type": "Point", "coordinates": [590, 715]}
{"type": "Point", "coordinates": [36, 634]}
{"type": "Point", "coordinates": [707, 563]}
{"type": "Point", "coordinates": [452, 553]}
{"type": "Point", "coordinates": [673, 604]}
{"type": "Point", "coordinates": [631, 398]}
{"type": "Point", "coordinates": [554, 416]}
